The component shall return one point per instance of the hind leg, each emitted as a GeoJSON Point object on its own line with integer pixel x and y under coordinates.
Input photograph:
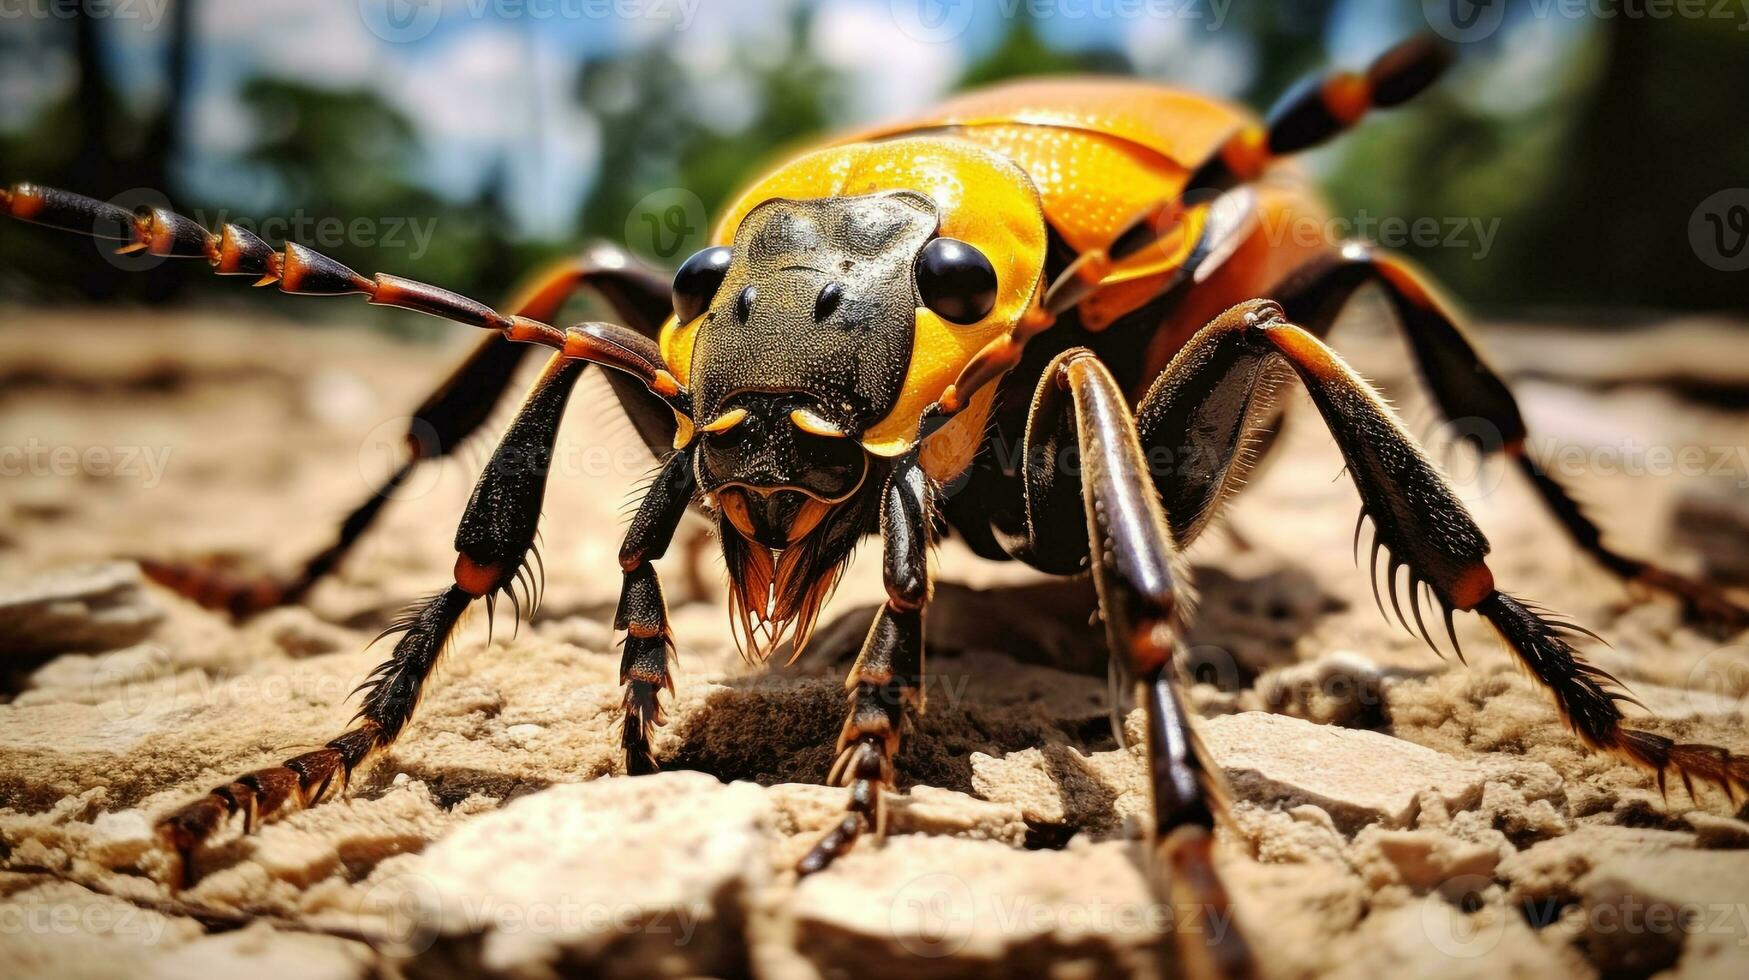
{"type": "Point", "coordinates": [1465, 387]}
{"type": "Point", "coordinates": [1202, 404]}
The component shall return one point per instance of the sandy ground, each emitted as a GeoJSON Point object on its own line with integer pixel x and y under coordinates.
{"type": "Point", "coordinates": [1395, 813]}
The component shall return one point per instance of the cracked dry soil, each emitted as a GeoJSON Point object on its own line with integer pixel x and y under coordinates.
{"type": "Point", "coordinates": [1394, 813]}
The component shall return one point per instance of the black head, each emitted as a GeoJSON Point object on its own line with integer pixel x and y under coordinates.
{"type": "Point", "coordinates": [808, 322]}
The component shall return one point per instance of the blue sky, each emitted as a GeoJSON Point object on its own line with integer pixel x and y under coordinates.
{"type": "Point", "coordinates": [480, 77]}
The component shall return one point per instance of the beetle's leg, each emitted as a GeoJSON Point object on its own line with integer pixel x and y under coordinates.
{"type": "Point", "coordinates": [448, 416]}
{"type": "Point", "coordinates": [1106, 514]}
{"type": "Point", "coordinates": [643, 614]}
{"type": "Point", "coordinates": [1466, 387]}
{"type": "Point", "coordinates": [888, 673]}
{"type": "Point", "coordinates": [1312, 112]}
{"type": "Point", "coordinates": [1319, 108]}
{"type": "Point", "coordinates": [492, 543]}
{"type": "Point", "coordinates": [1216, 378]}
{"type": "Point", "coordinates": [495, 534]}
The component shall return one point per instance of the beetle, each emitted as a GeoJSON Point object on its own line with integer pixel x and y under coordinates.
{"type": "Point", "coordinates": [986, 320]}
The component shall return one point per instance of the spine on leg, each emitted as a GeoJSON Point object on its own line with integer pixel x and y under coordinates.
{"type": "Point", "coordinates": [392, 691]}
{"type": "Point", "coordinates": [1588, 698]}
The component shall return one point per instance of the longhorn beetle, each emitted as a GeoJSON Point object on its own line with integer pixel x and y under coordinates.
{"type": "Point", "coordinates": [1085, 264]}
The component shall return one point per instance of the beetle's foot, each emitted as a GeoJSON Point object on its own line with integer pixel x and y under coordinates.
{"type": "Point", "coordinates": [643, 714]}
{"type": "Point", "coordinates": [1702, 602]}
{"type": "Point", "coordinates": [261, 796]}
{"type": "Point", "coordinates": [211, 585]}
{"type": "Point", "coordinates": [1205, 938]}
{"type": "Point", "coordinates": [865, 767]}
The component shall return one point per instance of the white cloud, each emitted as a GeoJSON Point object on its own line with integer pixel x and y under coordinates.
{"type": "Point", "coordinates": [1183, 52]}
{"type": "Point", "coordinates": [890, 72]}
{"type": "Point", "coordinates": [325, 43]}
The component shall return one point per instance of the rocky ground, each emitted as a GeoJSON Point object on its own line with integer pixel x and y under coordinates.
{"type": "Point", "coordinates": [1395, 813]}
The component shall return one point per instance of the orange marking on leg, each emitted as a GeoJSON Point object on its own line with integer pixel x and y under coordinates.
{"type": "Point", "coordinates": [1150, 646]}
{"type": "Point", "coordinates": [528, 331]}
{"type": "Point", "coordinates": [1406, 282]}
{"type": "Point", "coordinates": [1305, 350]}
{"type": "Point", "coordinates": [475, 578]}
{"type": "Point", "coordinates": [1471, 587]}
{"type": "Point", "coordinates": [1246, 151]}
{"type": "Point", "coordinates": [25, 201]}
{"type": "Point", "coordinates": [1347, 96]}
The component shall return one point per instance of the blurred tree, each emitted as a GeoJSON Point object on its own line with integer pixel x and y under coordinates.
{"type": "Point", "coordinates": [1588, 183]}
{"type": "Point", "coordinates": [658, 131]}
{"type": "Point", "coordinates": [1665, 127]}
{"type": "Point", "coordinates": [341, 167]}
{"type": "Point", "coordinates": [1287, 41]}
{"type": "Point", "coordinates": [90, 140]}
{"type": "Point", "coordinates": [1021, 52]}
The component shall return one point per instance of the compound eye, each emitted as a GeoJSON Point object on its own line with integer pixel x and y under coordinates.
{"type": "Point", "coordinates": [697, 281]}
{"type": "Point", "coordinates": [956, 281]}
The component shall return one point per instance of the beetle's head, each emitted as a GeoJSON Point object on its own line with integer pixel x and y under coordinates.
{"type": "Point", "coordinates": [814, 338]}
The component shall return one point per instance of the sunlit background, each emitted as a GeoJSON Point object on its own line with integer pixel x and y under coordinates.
{"type": "Point", "coordinates": [1580, 161]}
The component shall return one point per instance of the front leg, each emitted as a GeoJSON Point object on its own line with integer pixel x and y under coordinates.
{"type": "Point", "coordinates": [496, 534]}
{"type": "Point", "coordinates": [888, 674]}
{"type": "Point", "coordinates": [643, 614]}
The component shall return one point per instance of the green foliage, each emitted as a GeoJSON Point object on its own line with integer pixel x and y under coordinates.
{"type": "Point", "coordinates": [1584, 182]}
